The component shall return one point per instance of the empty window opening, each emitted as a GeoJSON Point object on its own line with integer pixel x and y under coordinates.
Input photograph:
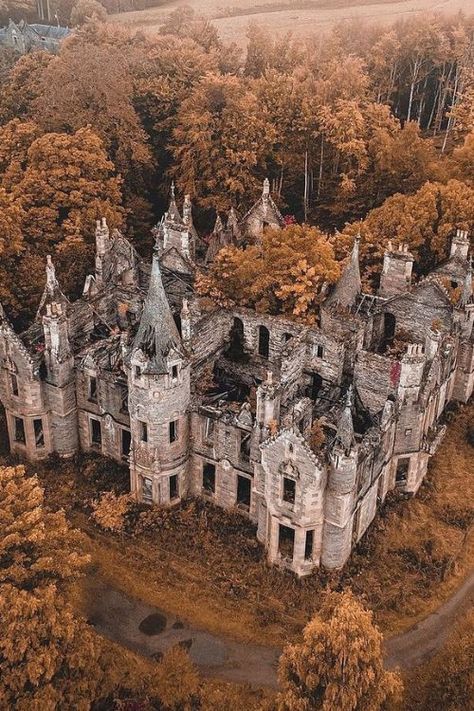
{"type": "Point", "coordinates": [236, 349]}
{"type": "Point", "coordinates": [403, 466]}
{"type": "Point", "coordinates": [316, 385]}
{"type": "Point", "coordinates": [209, 477]}
{"type": "Point", "coordinates": [308, 545]}
{"type": "Point", "coordinates": [174, 372]}
{"type": "Point", "coordinates": [289, 490]}
{"type": "Point", "coordinates": [39, 434]}
{"type": "Point", "coordinates": [138, 371]}
{"type": "Point", "coordinates": [14, 383]}
{"type": "Point", "coordinates": [389, 324]}
{"type": "Point", "coordinates": [92, 389]}
{"type": "Point", "coordinates": [124, 399]}
{"type": "Point", "coordinates": [126, 442]}
{"type": "Point", "coordinates": [96, 432]}
{"type": "Point", "coordinates": [287, 337]}
{"type": "Point", "coordinates": [302, 425]}
{"type": "Point", "coordinates": [147, 490]}
{"type": "Point", "coordinates": [143, 431]}
{"type": "Point", "coordinates": [245, 446]}
{"type": "Point", "coordinates": [243, 491]}
{"type": "Point", "coordinates": [209, 427]}
{"type": "Point", "coordinates": [263, 341]}
{"type": "Point", "coordinates": [174, 492]}
{"type": "Point", "coordinates": [20, 430]}
{"type": "Point", "coordinates": [173, 431]}
{"type": "Point", "coordinates": [286, 541]}
{"type": "Point", "coordinates": [177, 320]}
{"type": "Point", "coordinates": [319, 351]}
{"type": "Point", "coordinates": [454, 284]}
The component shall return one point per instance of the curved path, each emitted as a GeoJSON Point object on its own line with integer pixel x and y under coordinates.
{"type": "Point", "coordinates": [118, 617]}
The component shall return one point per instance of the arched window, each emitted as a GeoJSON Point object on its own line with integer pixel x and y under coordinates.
{"type": "Point", "coordinates": [263, 341]}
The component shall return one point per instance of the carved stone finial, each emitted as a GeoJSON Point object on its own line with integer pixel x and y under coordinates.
{"type": "Point", "coordinates": [51, 281]}
{"type": "Point", "coordinates": [266, 188]}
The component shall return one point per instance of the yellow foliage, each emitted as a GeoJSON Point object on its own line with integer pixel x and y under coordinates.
{"type": "Point", "coordinates": [339, 663]}
{"type": "Point", "coordinates": [110, 511]}
{"type": "Point", "coordinates": [176, 680]}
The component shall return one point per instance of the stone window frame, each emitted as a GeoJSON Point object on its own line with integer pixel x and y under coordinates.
{"type": "Point", "coordinates": [175, 486]}
{"type": "Point", "coordinates": [318, 350]}
{"type": "Point", "coordinates": [148, 498]}
{"type": "Point", "coordinates": [288, 502]}
{"type": "Point", "coordinates": [15, 420]}
{"type": "Point", "coordinates": [93, 444]}
{"type": "Point", "coordinates": [206, 490]}
{"type": "Point", "coordinates": [39, 433]}
{"type": "Point", "coordinates": [92, 388]}
{"type": "Point", "coordinates": [143, 430]}
{"type": "Point", "coordinates": [123, 456]}
{"type": "Point", "coordinates": [14, 385]}
{"type": "Point", "coordinates": [173, 431]}
{"type": "Point", "coordinates": [208, 429]}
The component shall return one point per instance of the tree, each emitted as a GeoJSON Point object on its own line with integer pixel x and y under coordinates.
{"type": "Point", "coordinates": [37, 548]}
{"type": "Point", "coordinates": [175, 681]}
{"type": "Point", "coordinates": [90, 85]}
{"type": "Point", "coordinates": [215, 160]}
{"type": "Point", "coordinates": [88, 11]}
{"type": "Point", "coordinates": [339, 663]}
{"type": "Point", "coordinates": [23, 85]}
{"type": "Point", "coordinates": [283, 273]}
{"type": "Point", "coordinates": [48, 659]}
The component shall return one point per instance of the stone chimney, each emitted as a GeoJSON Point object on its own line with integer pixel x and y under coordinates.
{"type": "Point", "coordinates": [396, 272]}
{"type": "Point", "coordinates": [460, 244]}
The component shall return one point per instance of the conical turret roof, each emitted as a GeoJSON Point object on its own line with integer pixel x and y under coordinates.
{"type": "Point", "coordinates": [349, 285]}
{"type": "Point", "coordinates": [157, 334]}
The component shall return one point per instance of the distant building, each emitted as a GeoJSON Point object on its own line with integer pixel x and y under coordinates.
{"type": "Point", "coordinates": [24, 37]}
{"type": "Point", "coordinates": [220, 402]}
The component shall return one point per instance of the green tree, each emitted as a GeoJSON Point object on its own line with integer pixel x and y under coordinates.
{"type": "Point", "coordinates": [338, 664]}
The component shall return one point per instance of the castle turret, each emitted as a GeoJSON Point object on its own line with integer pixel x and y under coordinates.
{"type": "Point", "coordinates": [159, 393]}
{"type": "Point", "coordinates": [396, 272]}
{"type": "Point", "coordinates": [176, 232]}
{"type": "Point", "coordinates": [59, 384]}
{"type": "Point", "coordinates": [340, 492]}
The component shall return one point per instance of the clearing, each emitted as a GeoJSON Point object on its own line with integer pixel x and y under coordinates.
{"type": "Point", "coordinates": [302, 17]}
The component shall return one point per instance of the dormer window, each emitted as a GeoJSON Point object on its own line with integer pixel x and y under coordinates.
{"type": "Point", "coordinates": [319, 351]}
{"type": "Point", "coordinates": [138, 371]}
{"type": "Point", "coordinates": [174, 372]}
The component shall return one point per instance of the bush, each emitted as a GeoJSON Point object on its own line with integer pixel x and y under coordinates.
{"type": "Point", "coordinates": [110, 511]}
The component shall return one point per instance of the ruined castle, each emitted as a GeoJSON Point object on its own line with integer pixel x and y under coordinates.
{"type": "Point", "coordinates": [222, 403]}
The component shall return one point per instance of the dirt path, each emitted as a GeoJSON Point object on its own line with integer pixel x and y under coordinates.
{"type": "Point", "coordinates": [118, 617]}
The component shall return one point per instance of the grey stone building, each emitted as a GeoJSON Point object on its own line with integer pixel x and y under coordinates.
{"type": "Point", "coordinates": [24, 37]}
{"type": "Point", "coordinates": [222, 403]}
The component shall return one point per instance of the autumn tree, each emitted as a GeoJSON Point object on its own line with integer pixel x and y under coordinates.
{"type": "Point", "coordinates": [88, 11]}
{"type": "Point", "coordinates": [91, 85]}
{"type": "Point", "coordinates": [175, 681]}
{"type": "Point", "coordinates": [22, 86]}
{"type": "Point", "coordinates": [215, 160]}
{"type": "Point", "coordinates": [425, 221]}
{"type": "Point", "coordinates": [283, 273]}
{"type": "Point", "coordinates": [338, 664]}
{"type": "Point", "coordinates": [55, 189]}
{"type": "Point", "coordinates": [48, 658]}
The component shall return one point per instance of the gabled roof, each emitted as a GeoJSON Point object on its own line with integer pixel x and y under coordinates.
{"type": "Point", "coordinates": [266, 203]}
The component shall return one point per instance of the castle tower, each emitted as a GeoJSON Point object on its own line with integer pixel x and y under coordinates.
{"type": "Point", "coordinates": [159, 394]}
{"type": "Point", "coordinates": [339, 525]}
{"type": "Point", "coordinates": [396, 272]}
{"type": "Point", "coordinates": [59, 383]}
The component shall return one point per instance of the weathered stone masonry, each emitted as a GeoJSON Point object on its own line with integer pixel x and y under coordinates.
{"type": "Point", "coordinates": [221, 403]}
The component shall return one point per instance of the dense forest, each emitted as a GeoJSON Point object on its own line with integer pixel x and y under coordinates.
{"type": "Point", "coordinates": [364, 129]}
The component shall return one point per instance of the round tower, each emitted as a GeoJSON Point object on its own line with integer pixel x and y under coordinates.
{"type": "Point", "coordinates": [159, 394]}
